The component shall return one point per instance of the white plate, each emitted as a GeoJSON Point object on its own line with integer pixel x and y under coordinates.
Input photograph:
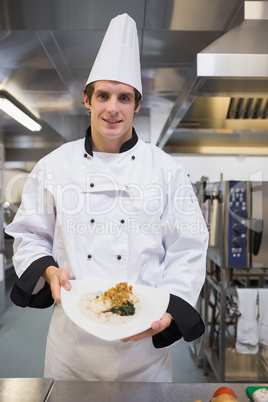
{"type": "Point", "coordinates": [154, 302]}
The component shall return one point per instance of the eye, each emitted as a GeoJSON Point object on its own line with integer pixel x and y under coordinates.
{"type": "Point", "coordinates": [124, 98]}
{"type": "Point", "coordinates": [103, 96]}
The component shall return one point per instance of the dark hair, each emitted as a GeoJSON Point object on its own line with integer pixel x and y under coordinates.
{"type": "Point", "coordinates": [90, 90]}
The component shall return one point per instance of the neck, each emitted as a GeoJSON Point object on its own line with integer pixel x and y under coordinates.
{"type": "Point", "coordinates": [108, 145]}
{"type": "Point", "coordinates": [111, 147]}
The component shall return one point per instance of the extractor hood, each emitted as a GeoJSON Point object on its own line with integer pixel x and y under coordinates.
{"type": "Point", "coordinates": [234, 66]}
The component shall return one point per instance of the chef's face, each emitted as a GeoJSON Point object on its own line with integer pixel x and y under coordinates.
{"type": "Point", "coordinates": [112, 109]}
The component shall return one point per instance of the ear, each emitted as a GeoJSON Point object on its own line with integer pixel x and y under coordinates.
{"type": "Point", "coordinates": [86, 101]}
{"type": "Point", "coordinates": [138, 108]}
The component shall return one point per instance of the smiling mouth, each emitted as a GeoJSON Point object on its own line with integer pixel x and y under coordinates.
{"type": "Point", "coordinates": [112, 121]}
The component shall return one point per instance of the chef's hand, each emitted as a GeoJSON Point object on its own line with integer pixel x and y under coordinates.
{"type": "Point", "coordinates": [57, 277]}
{"type": "Point", "coordinates": [156, 327]}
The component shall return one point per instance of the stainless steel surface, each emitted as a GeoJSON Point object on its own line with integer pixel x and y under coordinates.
{"type": "Point", "coordinates": [221, 312]}
{"type": "Point", "coordinates": [2, 264]}
{"type": "Point", "coordinates": [260, 215]}
{"type": "Point", "coordinates": [248, 367]}
{"type": "Point", "coordinates": [237, 219]}
{"type": "Point", "coordinates": [25, 389]}
{"type": "Point", "coordinates": [133, 392]}
{"type": "Point", "coordinates": [235, 65]}
{"type": "Point", "coordinates": [2, 285]}
{"type": "Point", "coordinates": [47, 50]}
{"type": "Point", "coordinates": [237, 257]}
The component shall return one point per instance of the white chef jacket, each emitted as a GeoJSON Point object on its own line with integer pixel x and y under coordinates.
{"type": "Point", "coordinates": [131, 216]}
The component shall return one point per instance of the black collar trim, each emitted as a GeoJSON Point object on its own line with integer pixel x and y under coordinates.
{"type": "Point", "coordinates": [124, 147]}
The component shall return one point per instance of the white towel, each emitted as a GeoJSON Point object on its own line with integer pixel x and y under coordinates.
{"type": "Point", "coordinates": [247, 324]}
{"type": "Point", "coordinates": [246, 348]}
{"type": "Point", "coordinates": [263, 316]}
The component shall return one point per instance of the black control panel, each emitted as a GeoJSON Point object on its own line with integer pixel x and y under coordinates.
{"type": "Point", "coordinates": [237, 251]}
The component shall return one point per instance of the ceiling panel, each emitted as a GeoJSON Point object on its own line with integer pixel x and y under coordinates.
{"type": "Point", "coordinates": [66, 14]}
{"type": "Point", "coordinates": [22, 49]}
{"type": "Point", "coordinates": [168, 48]}
{"type": "Point", "coordinates": [164, 81]}
{"type": "Point", "coordinates": [192, 15]}
{"type": "Point", "coordinates": [32, 79]}
{"type": "Point", "coordinates": [47, 49]}
{"type": "Point", "coordinates": [79, 48]}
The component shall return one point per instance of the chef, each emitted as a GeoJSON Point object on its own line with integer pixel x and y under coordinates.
{"type": "Point", "coordinates": [111, 206]}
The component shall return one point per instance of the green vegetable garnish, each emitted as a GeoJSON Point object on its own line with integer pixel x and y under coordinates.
{"type": "Point", "coordinates": [125, 310]}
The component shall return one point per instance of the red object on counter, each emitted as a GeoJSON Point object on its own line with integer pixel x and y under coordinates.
{"type": "Point", "coordinates": [224, 390]}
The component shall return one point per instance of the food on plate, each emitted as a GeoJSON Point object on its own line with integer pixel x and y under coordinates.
{"type": "Point", "coordinates": [224, 394]}
{"type": "Point", "coordinates": [117, 305]}
{"type": "Point", "coordinates": [118, 300]}
{"type": "Point", "coordinates": [260, 395]}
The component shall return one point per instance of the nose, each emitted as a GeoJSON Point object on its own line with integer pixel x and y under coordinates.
{"type": "Point", "coordinates": [112, 105]}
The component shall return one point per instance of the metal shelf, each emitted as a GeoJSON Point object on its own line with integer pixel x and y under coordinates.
{"type": "Point", "coordinates": [219, 341]}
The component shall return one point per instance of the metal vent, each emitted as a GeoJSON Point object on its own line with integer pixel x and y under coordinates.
{"type": "Point", "coordinates": [248, 108]}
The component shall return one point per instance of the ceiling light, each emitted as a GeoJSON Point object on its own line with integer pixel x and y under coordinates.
{"type": "Point", "coordinates": [17, 111]}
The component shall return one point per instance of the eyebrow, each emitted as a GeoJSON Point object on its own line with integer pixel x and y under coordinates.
{"type": "Point", "coordinates": [100, 91]}
{"type": "Point", "coordinates": [103, 91]}
{"type": "Point", "coordinates": [130, 94]}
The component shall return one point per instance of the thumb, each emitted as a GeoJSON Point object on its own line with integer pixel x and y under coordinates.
{"type": "Point", "coordinates": [155, 325]}
{"type": "Point", "coordinates": [64, 279]}
{"type": "Point", "coordinates": [66, 285]}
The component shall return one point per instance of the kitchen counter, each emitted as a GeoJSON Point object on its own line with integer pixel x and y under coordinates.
{"type": "Point", "coordinates": [25, 389]}
{"type": "Point", "coordinates": [139, 392]}
{"type": "Point", "coordinates": [47, 390]}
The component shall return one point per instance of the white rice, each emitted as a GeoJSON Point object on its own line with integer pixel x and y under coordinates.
{"type": "Point", "coordinates": [107, 318]}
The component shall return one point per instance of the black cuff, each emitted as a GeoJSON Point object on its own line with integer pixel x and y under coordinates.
{"type": "Point", "coordinates": [21, 293]}
{"type": "Point", "coordinates": [186, 323]}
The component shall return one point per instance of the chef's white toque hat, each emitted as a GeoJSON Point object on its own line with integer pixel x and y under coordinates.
{"type": "Point", "coordinates": [118, 58]}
